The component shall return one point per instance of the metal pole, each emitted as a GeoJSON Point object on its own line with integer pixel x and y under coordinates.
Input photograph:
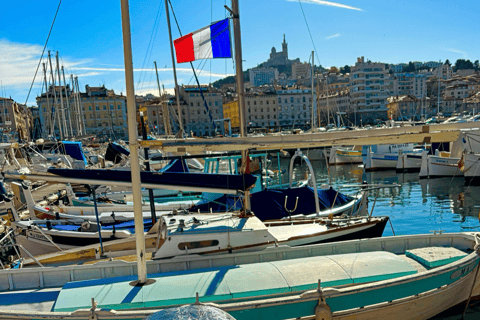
{"type": "Point", "coordinates": [147, 165]}
{"type": "Point", "coordinates": [77, 107]}
{"type": "Point", "coordinates": [48, 123]}
{"type": "Point", "coordinates": [84, 130]}
{"type": "Point", "coordinates": [61, 98]}
{"type": "Point", "coordinates": [240, 90]}
{"type": "Point", "coordinates": [68, 104]}
{"type": "Point", "coordinates": [177, 92]}
{"type": "Point", "coordinates": [98, 220]}
{"type": "Point", "coordinates": [132, 140]}
{"type": "Point", "coordinates": [166, 117]}
{"type": "Point", "coordinates": [313, 73]}
{"type": "Point", "coordinates": [55, 101]}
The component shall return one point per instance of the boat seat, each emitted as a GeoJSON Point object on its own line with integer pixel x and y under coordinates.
{"type": "Point", "coordinates": [235, 282]}
{"type": "Point", "coordinates": [432, 257]}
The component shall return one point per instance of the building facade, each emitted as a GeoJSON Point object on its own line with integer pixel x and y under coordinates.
{"type": "Point", "coordinates": [262, 76]}
{"type": "Point", "coordinates": [16, 120]}
{"type": "Point", "coordinates": [367, 90]}
{"type": "Point", "coordinates": [295, 107]}
{"type": "Point", "coordinates": [97, 111]}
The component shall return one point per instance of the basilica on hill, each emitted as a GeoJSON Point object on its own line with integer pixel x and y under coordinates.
{"type": "Point", "coordinates": [280, 58]}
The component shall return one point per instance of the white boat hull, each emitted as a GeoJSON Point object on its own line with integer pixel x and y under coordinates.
{"type": "Point", "coordinates": [436, 167]}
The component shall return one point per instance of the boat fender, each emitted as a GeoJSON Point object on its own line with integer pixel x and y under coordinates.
{"type": "Point", "coordinates": [57, 215]}
{"type": "Point", "coordinates": [49, 224]}
{"type": "Point", "coordinates": [163, 229]}
{"type": "Point", "coordinates": [85, 225]}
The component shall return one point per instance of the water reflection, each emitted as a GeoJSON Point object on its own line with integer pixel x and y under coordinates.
{"type": "Point", "coordinates": [415, 206]}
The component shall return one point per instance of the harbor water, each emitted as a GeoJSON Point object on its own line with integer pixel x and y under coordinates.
{"type": "Point", "coordinates": [415, 206]}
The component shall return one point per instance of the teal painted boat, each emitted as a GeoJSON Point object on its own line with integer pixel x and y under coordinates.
{"type": "Point", "coordinates": [402, 277]}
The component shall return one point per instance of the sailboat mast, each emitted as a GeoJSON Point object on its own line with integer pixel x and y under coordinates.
{"type": "Point", "coordinates": [69, 111]}
{"type": "Point", "coordinates": [47, 116]}
{"type": "Point", "coordinates": [61, 97]}
{"type": "Point", "coordinates": [133, 143]}
{"type": "Point", "coordinates": [177, 92]}
{"type": "Point", "coordinates": [240, 91]}
{"type": "Point", "coordinates": [55, 103]}
{"type": "Point", "coordinates": [313, 73]}
{"type": "Point", "coordinates": [165, 113]}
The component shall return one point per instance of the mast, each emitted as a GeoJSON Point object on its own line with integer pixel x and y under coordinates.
{"type": "Point", "coordinates": [133, 143]}
{"type": "Point", "coordinates": [177, 92]}
{"type": "Point", "coordinates": [240, 91]}
{"type": "Point", "coordinates": [55, 101]}
{"type": "Point", "coordinates": [48, 120]}
{"type": "Point", "coordinates": [61, 98]}
{"type": "Point", "coordinates": [313, 73]}
{"type": "Point", "coordinates": [165, 113]}
{"type": "Point", "coordinates": [76, 107]}
{"type": "Point", "coordinates": [82, 119]}
{"type": "Point", "coordinates": [68, 104]}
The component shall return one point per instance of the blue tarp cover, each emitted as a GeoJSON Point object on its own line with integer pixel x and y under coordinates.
{"type": "Point", "coordinates": [176, 165]}
{"type": "Point", "coordinates": [74, 150]}
{"type": "Point", "coordinates": [269, 204]}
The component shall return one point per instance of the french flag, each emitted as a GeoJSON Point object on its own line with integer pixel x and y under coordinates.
{"type": "Point", "coordinates": [207, 43]}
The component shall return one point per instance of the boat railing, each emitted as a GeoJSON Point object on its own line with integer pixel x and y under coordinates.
{"type": "Point", "coordinates": [298, 153]}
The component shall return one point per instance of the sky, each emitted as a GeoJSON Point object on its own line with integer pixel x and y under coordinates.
{"type": "Point", "coordinates": [88, 36]}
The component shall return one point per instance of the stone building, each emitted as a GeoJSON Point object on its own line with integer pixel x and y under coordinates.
{"type": "Point", "coordinates": [295, 107]}
{"type": "Point", "coordinates": [16, 121]}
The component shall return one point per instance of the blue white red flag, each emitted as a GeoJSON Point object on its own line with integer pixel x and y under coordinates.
{"type": "Point", "coordinates": [207, 43]}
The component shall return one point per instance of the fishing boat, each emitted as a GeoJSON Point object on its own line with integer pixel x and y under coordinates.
{"type": "Point", "coordinates": [363, 279]}
{"type": "Point", "coordinates": [385, 157]}
{"type": "Point", "coordinates": [442, 164]}
{"type": "Point", "coordinates": [347, 155]}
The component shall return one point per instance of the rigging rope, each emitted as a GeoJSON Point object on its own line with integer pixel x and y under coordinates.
{"type": "Point", "coordinates": [308, 28]}
{"type": "Point", "coordinates": [43, 51]}
{"type": "Point", "coordinates": [195, 74]}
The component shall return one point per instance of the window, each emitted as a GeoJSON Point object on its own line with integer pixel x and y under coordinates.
{"type": "Point", "coordinates": [97, 108]}
{"type": "Point", "coordinates": [89, 108]}
{"type": "Point", "coordinates": [154, 113]}
{"type": "Point", "coordinates": [248, 102]}
{"type": "Point", "coordinates": [119, 107]}
{"type": "Point", "coordinates": [261, 102]}
{"type": "Point", "coordinates": [191, 104]}
{"type": "Point", "coordinates": [44, 110]}
{"type": "Point", "coordinates": [303, 99]}
{"type": "Point", "coordinates": [267, 101]}
{"type": "Point", "coordinates": [254, 103]}
{"type": "Point", "coordinates": [104, 107]}
{"type": "Point", "coordinates": [291, 99]}
{"type": "Point", "coordinates": [111, 107]}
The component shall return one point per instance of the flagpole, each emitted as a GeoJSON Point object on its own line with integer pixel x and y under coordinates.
{"type": "Point", "coordinates": [133, 143]}
{"type": "Point", "coordinates": [240, 90]}
{"type": "Point", "coordinates": [177, 92]}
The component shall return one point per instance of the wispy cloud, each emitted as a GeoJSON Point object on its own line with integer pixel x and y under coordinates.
{"type": "Point", "coordinates": [329, 3]}
{"type": "Point", "coordinates": [332, 36]}
{"type": "Point", "coordinates": [458, 51]}
{"type": "Point", "coordinates": [18, 62]}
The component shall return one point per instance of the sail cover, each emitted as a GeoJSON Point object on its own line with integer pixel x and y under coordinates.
{"type": "Point", "coordinates": [198, 180]}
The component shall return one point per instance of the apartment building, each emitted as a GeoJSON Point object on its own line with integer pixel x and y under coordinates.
{"type": "Point", "coordinates": [195, 117]}
{"type": "Point", "coordinates": [15, 120]}
{"type": "Point", "coordinates": [262, 76]}
{"type": "Point", "coordinates": [262, 110]}
{"type": "Point", "coordinates": [405, 107]}
{"type": "Point", "coordinates": [301, 71]}
{"type": "Point", "coordinates": [367, 90]}
{"type": "Point", "coordinates": [335, 102]}
{"type": "Point", "coordinates": [100, 110]}
{"type": "Point", "coordinates": [410, 84]}
{"type": "Point", "coordinates": [295, 107]}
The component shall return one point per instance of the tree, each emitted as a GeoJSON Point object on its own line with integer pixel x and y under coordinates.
{"type": "Point", "coordinates": [463, 64]}
{"type": "Point", "coordinates": [409, 68]}
{"type": "Point", "coordinates": [345, 69]}
{"type": "Point", "coordinates": [448, 62]}
{"type": "Point", "coordinates": [476, 64]}
{"type": "Point", "coordinates": [333, 70]}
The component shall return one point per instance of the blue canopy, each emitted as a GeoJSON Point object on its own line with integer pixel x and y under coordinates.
{"type": "Point", "coordinates": [269, 203]}
{"type": "Point", "coordinates": [74, 150]}
{"type": "Point", "coordinates": [175, 165]}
